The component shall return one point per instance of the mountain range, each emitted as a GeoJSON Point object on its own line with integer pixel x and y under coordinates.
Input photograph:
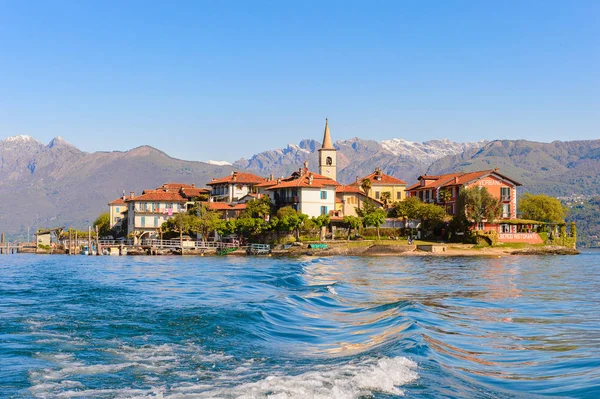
{"type": "Point", "coordinates": [57, 184]}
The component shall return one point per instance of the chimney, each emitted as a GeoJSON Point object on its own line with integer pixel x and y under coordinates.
{"type": "Point", "coordinates": [193, 185]}
{"type": "Point", "coordinates": [131, 194]}
{"type": "Point", "coordinates": [271, 177]}
{"type": "Point", "coordinates": [234, 176]}
{"type": "Point", "coordinates": [455, 179]}
{"type": "Point", "coordinates": [310, 179]}
{"type": "Point", "coordinates": [124, 196]}
{"type": "Point", "coordinates": [279, 181]}
{"type": "Point", "coordinates": [306, 165]}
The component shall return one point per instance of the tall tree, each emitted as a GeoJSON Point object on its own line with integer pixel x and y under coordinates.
{"type": "Point", "coordinates": [445, 196]}
{"type": "Point", "coordinates": [386, 196]}
{"type": "Point", "coordinates": [542, 208]}
{"type": "Point", "coordinates": [352, 222]}
{"type": "Point", "coordinates": [375, 218]}
{"type": "Point", "coordinates": [206, 221]}
{"type": "Point", "coordinates": [366, 185]}
{"type": "Point", "coordinates": [258, 208]}
{"type": "Point", "coordinates": [476, 204]}
{"type": "Point", "coordinates": [180, 223]}
{"type": "Point", "coordinates": [103, 223]}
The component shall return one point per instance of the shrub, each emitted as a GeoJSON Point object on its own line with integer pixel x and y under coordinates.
{"type": "Point", "coordinates": [489, 237]}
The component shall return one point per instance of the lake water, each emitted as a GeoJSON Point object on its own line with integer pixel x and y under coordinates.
{"type": "Point", "coordinates": [230, 327]}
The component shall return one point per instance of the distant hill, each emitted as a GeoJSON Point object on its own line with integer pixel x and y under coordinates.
{"type": "Point", "coordinates": [57, 184]}
{"type": "Point", "coordinates": [560, 168]}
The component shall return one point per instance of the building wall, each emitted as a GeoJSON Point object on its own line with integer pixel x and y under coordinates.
{"type": "Point", "coordinates": [116, 214]}
{"type": "Point", "coordinates": [328, 170]}
{"type": "Point", "coordinates": [494, 186]}
{"type": "Point", "coordinates": [350, 201]}
{"type": "Point", "coordinates": [142, 215]}
{"type": "Point", "coordinates": [311, 202]}
{"type": "Point", "coordinates": [397, 191]}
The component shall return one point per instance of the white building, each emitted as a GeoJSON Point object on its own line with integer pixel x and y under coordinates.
{"type": "Point", "coordinates": [233, 187]}
{"type": "Point", "coordinates": [147, 212]}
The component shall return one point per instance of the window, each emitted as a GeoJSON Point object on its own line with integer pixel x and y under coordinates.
{"type": "Point", "coordinates": [399, 195]}
{"type": "Point", "coordinates": [143, 221]}
{"type": "Point", "coordinates": [117, 209]}
{"type": "Point", "coordinates": [377, 194]}
{"type": "Point", "coordinates": [323, 194]}
{"type": "Point", "coordinates": [329, 161]}
{"type": "Point", "coordinates": [480, 226]}
{"type": "Point", "coordinates": [505, 193]}
{"type": "Point", "coordinates": [155, 221]}
{"type": "Point", "coordinates": [504, 228]}
{"type": "Point", "coordinates": [505, 210]}
{"type": "Point", "coordinates": [324, 210]}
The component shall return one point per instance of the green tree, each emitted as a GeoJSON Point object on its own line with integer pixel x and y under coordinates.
{"type": "Point", "coordinates": [386, 196]}
{"type": "Point", "coordinates": [258, 208]}
{"type": "Point", "coordinates": [206, 221]}
{"type": "Point", "coordinates": [366, 185]}
{"type": "Point", "coordinates": [375, 218]}
{"type": "Point", "coordinates": [542, 208]}
{"type": "Point", "coordinates": [180, 223]}
{"type": "Point", "coordinates": [430, 215]}
{"type": "Point", "coordinates": [103, 223]}
{"type": "Point", "coordinates": [476, 204]}
{"type": "Point", "coordinates": [367, 207]}
{"type": "Point", "coordinates": [353, 223]}
{"type": "Point", "coordinates": [445, 196]}
{"type": "Point", "coordinates": [251, 226]}
{"type": "Point", "coordinates": [408, 209]}
{"type": "Point", "coordinates": [319, 222]}
{"type": "Point", "coordinates": [290, 220]}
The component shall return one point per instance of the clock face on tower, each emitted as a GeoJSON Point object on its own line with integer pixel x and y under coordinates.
{"type": "Point", "coordinates": [328, 172]}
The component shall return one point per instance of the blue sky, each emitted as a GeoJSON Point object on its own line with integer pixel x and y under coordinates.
{"type": "Point", "coordinates": [223, 79]}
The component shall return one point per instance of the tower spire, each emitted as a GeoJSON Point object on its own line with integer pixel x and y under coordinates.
{"type": "Point", "coordinates": [327, 145]}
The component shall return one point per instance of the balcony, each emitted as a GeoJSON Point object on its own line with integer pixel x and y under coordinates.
{"type": "Point", "coordinates": [287, 200]}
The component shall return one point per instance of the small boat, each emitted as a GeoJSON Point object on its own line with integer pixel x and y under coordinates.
{"type": "Point", "coordinates": [85, 251]}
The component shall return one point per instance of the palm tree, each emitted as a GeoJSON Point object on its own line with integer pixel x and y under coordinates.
{"type": "Point", "coordinates": [366, 185]}
{"type": "Point", "coordinates": [386, 196]}
{"type": "Point", "coordinates": [445, 196]}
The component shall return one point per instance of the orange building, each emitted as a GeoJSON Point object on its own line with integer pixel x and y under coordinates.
{"type": "Point", "coordinates": [500, 186]}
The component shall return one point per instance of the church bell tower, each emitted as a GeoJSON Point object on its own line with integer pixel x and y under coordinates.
{"type": "Point", "coordinates": [327, 155]}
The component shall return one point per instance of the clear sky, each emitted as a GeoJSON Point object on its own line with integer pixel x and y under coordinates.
{"type": "Point", "coordinates": [224, 79]}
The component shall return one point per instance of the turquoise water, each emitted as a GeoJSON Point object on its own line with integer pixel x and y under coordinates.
{"type": "Point", "coordinates": [231, 327]}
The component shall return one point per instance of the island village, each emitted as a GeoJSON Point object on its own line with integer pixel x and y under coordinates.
{"type": "Point", "coordinates": [310, 210]}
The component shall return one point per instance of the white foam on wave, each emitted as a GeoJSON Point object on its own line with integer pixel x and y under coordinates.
{"type": "Point", "coordinates": [348, 381]}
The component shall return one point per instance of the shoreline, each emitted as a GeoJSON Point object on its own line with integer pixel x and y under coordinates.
{"type": "Point", "coordinates": [378, 250]}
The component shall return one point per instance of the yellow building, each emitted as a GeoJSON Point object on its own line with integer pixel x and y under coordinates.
{"type": "Point", "coordinates": [348, 198]}
{"type": "Point", "coordinates": [383, 183]}
{"type": "Point", "coordinates": [116, 210]}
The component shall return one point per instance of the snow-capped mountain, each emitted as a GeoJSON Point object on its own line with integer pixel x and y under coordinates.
{"type": "Point", "coordinates": [430, 150]}
{"type": "Point", "coordinates": [357, 157]}
{"type": "Point", "coordinates": [219, 163]}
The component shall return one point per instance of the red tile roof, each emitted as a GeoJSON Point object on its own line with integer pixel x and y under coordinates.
{"type": "Point", "coordinates": [159, 195]}
{"type": "Point", "coordinates": [350, 189]}
{"type": "Point", "coordinates": [318, 181]}
{"type": "Point", "coordinates": [176, 186]}
{"type": "Point", "coordinates": [456, 179]}
{"type": "Point", "coordinates": [238, 177]}
{"type": "Point", "coordinates": [192, 192]}
{"type": "Point", "coordinates": [118, 201]}
{"type": "Point", "coordinates": [383, 179]}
